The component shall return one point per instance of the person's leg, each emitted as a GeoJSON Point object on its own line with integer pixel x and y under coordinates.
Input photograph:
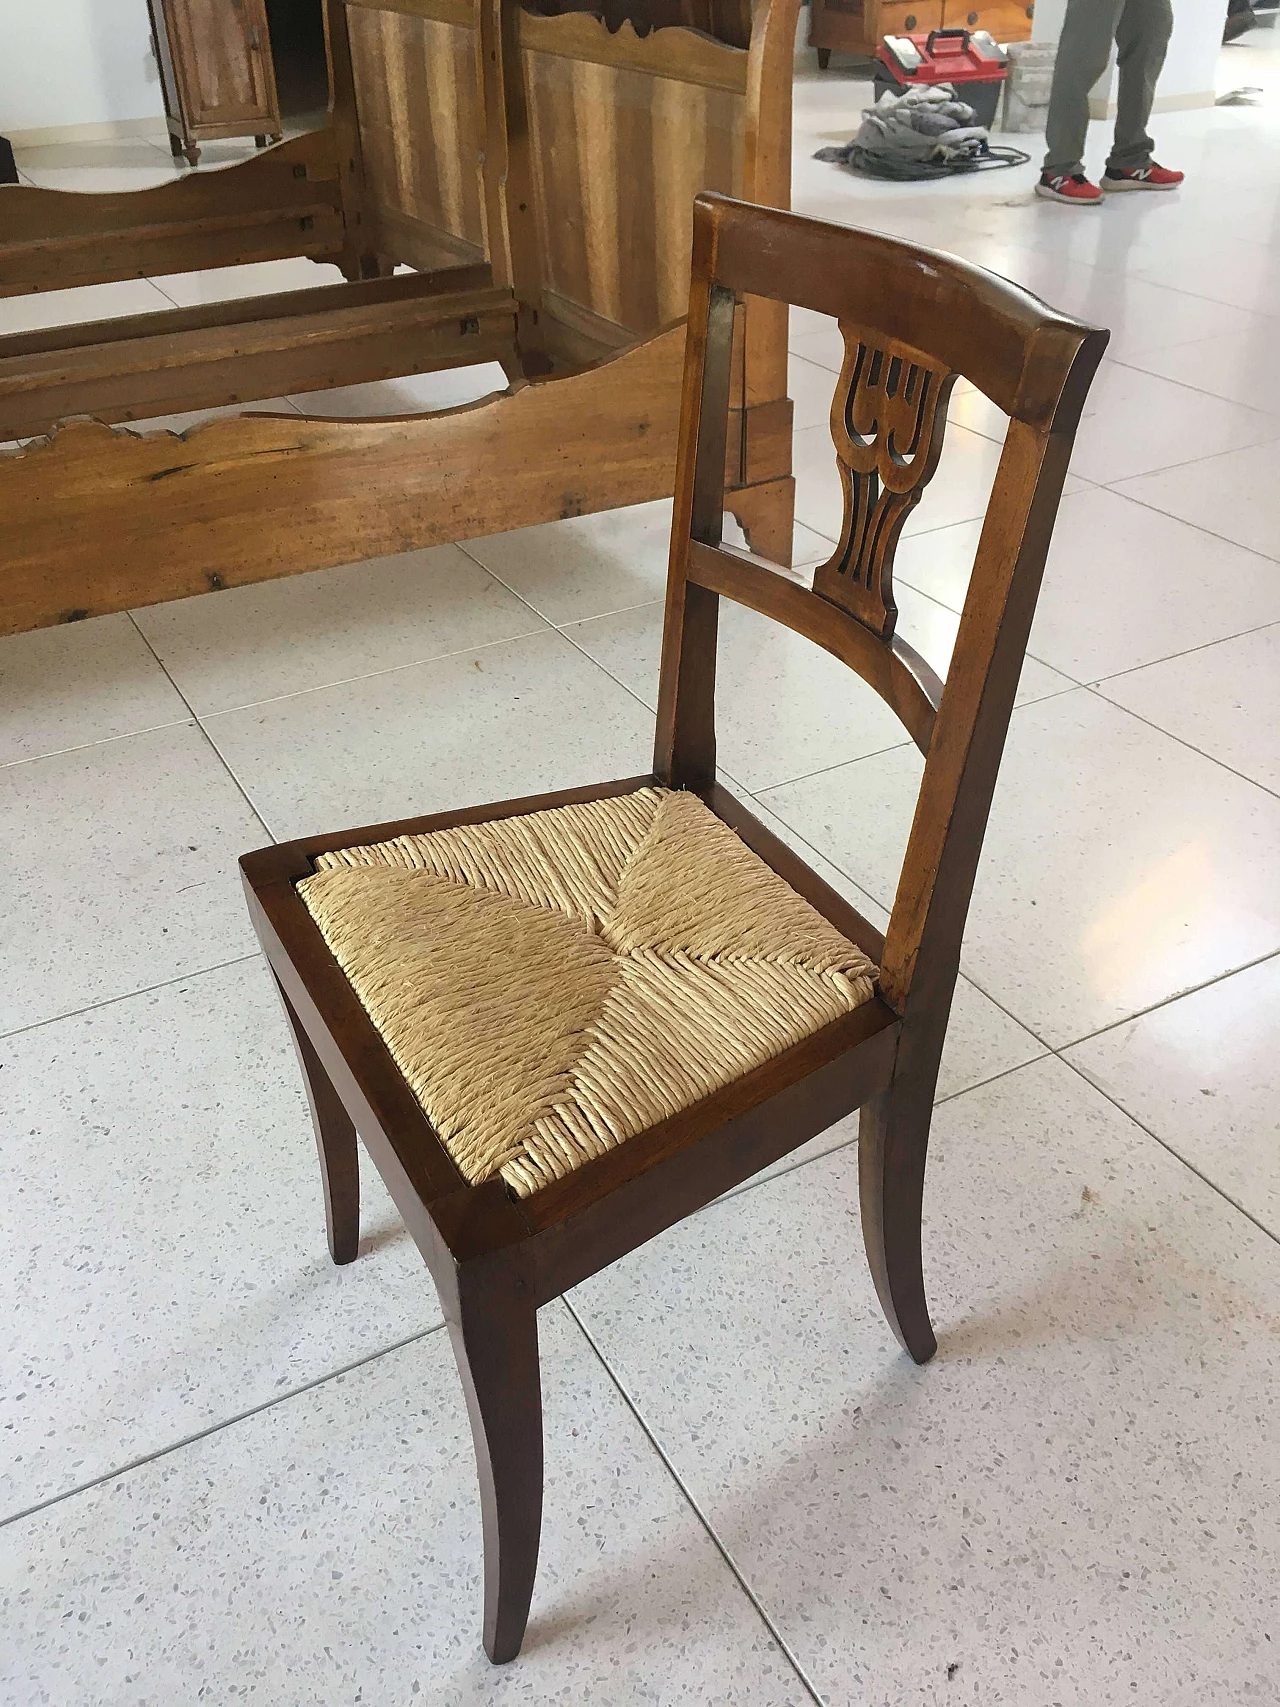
{"type": "Point", "coordinates": [1142, 36]}
{"type": "Point", "coordinates": [1084, 48]}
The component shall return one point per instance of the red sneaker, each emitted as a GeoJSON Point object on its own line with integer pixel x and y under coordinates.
{"type": "Point", "coordinates": [1151, 177]}
{"type": "Point", "coordinates": [1076, 190]}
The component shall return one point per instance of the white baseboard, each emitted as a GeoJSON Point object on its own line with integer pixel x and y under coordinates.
{"type": "Point", "coordinates": [152, 128]}
{"type": "Point", "coordinates": [1184, 103]}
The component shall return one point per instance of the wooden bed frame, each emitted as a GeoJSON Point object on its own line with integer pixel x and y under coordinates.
{"type": "Point", "coordinates": [538, 171]}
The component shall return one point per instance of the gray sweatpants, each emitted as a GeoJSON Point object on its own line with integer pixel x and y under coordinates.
{"type": "Point", "coordinates": [1140, 30]}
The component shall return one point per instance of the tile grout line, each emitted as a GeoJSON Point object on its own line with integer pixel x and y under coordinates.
{"type": "Point", "coordinates": [783, 1646]}
{"type": "Point", "coordinates": [1199, 527]}
{"type": "Point", "coordinates": [370, 675]}
{"type": "Point", "coordinates": [204, 733]}
{"type": "Point", "coordinates": [217, 1427]}
{"type": "Point", "coordinates": [1164, 1002]}
{"type": "Point", "coordinates": [1270, 1232]}
{"type": "Point", "coordinates": [129, 995]}
{"type": "Point", "coordinates": [1099, 682]}
{"type": "Point", "coordinates": [1190, 746]}
{"type": "Point", "coordinates": [89, 746]}
{"type": "Point", "coordinates": [1134, 364]}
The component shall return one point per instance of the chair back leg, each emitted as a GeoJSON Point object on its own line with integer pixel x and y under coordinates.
{"type": "Point", "coordinates": [893, 1139]}
{"type": "Point", "coordinates": [335, 1142]}
{"type": "Point", "coordinates": [493, 1325]}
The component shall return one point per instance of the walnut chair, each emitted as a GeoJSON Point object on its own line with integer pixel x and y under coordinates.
{"type": "Point", "coordinates": [562, 1024]}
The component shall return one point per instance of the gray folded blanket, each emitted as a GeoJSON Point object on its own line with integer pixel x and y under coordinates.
{"type": "Point", "coordinates": [923, 133]}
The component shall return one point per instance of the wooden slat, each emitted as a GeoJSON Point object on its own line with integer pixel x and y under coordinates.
{"type": "Point", "coordinates": [97, 520]}
{"type": "Point", "coordinates": [403, 287]}
{"type": "Point", "coordinates": [258, 210]}
{"type": "Point", "coordinates": [618, 155]}
{"type": "Point", "coordinates": [895, 670]}
{"type": "Point", "coordinates": [168, 370]}
{"type": "Point", "coordinates": [421, 128]}
{"type": "Point", "coordinates": [686, 56]}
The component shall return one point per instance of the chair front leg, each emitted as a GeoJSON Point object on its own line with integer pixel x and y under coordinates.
{"type": "Point", "coordinates": [893, 1139]}
{"type": "Point", "coordinates": [494, 1328]}
{"type": "Point", "coordinates": [335, 1142]}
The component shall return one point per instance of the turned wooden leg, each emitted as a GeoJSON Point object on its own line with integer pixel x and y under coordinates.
{"type": "Point", "coordinates": [766, 514]}
{"type": "Point", "coordinates": [893, 1138]}
{"type": "Point", "coordinates": [192, 153]}
{"type": "Point", "coordinates": [494, 1329]}
{"type": "Point", "coordinates": [335, 1142]}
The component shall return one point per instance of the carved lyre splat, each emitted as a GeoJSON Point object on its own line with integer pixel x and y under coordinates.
{"type": "Point", "coordinates": [887, 419]}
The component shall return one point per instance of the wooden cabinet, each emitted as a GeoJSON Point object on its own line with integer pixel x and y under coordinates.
{"type": "Point", "coordinates": [217, 72]}
{"type": "Point", "coordinates": [858, 26]}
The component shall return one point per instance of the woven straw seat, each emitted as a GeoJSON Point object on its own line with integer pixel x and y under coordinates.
{"type": "Point", "coordinates": [551, 985]}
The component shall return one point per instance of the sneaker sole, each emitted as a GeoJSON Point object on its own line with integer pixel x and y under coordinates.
{"type": "Point", "coordinates": [1111, 186]}
{"type": "Point", "coordinates": [1049, 195]}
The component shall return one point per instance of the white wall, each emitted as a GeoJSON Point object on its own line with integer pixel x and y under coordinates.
{"type": "Point", "coordinates": [1191, 66]}
{"type": "Point", "coordinates": [1191, 69]}
{"type": "Point", "coordinates": [76, 63]}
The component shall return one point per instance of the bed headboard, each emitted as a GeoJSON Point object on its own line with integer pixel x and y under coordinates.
{"type": "Point", "coordinates": [564, 151]}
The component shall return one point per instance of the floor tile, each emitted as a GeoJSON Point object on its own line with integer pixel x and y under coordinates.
{"type": "Point", "coordinates": [305, 631]}
{"type": "Point", "coordinates": [958, 491]}
{"type": "Point", "coordinates": [810, 387]}
{"type": "Point", "coordinates": [785, 707]}
{"type": "Point", "coordinates": [122, 871]}
{"type": "Point", "coordinates": [82, 302]}
{"type": "Point", "coordinates": [329, 1549]}
{"type": "Point", "coordinates": [80, 682]}
{"type": "Point", "coordinates": [166, 1260]}
{"type": "Point", "coordinates": [1137, 422]}
{"type": "Point", "coordinates": [1124, 585]}
{"type": "Point", "coordinates": [586, 565]}
{"type": "Point", "coordinates": [1203, 1074]}
{"type": "Point", "coordinates": [1075, 1505]}
{"type": "Point", "coordinates": [1229, 270]}
{"type": "Point", "coordinates": [412, 395]}
{"type": "Point", "coordinates": [1242, 366]}
{"type": "Point", "coordinates": [513, 719]}
{"type": "Point", "coordinates": [256, 278]}
{"type": "Point", "coordinates": [122, 163]}
{"type": "Point", "coordinates": [1223, 699]}
{"type": "Point", "coordinates": [1119, 867]}
{"type": "Point", "coordinates": [816, 341]}
{"type": "Point", "coordinates": [188, 418]}
{"type": "Point", "coordinates": [1236, 496]}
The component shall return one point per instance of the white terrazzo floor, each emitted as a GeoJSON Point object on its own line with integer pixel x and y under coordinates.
{"type": "Point", "coordinates": [232, 1472]}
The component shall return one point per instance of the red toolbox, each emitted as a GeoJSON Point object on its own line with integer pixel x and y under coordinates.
{"type": "Point", "coordinates": [971, 61]}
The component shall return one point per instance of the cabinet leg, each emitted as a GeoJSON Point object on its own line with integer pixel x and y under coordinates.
{"type": "Point", "coordinates": [824, 58]}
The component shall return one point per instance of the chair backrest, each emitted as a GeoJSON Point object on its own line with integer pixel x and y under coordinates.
{"type": "Point", "coordinates": [913, 321]}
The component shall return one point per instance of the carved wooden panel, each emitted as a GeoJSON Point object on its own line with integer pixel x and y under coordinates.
{"type": "Point", "coordinates": [420, 131]}
{"type": "Point", "coordinates": [619, 152]}
{"type": "Point", "coordinates": [728, 21]}
{"type": "Point", "coordinates": [887, 420]}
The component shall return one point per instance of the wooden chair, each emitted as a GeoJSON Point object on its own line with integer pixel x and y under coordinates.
{"type": "Point", "coordinates": [557, 1035]}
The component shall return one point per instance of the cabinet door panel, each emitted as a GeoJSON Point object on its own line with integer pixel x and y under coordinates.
{"type": "Point", "coordinates": [222, 57]}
